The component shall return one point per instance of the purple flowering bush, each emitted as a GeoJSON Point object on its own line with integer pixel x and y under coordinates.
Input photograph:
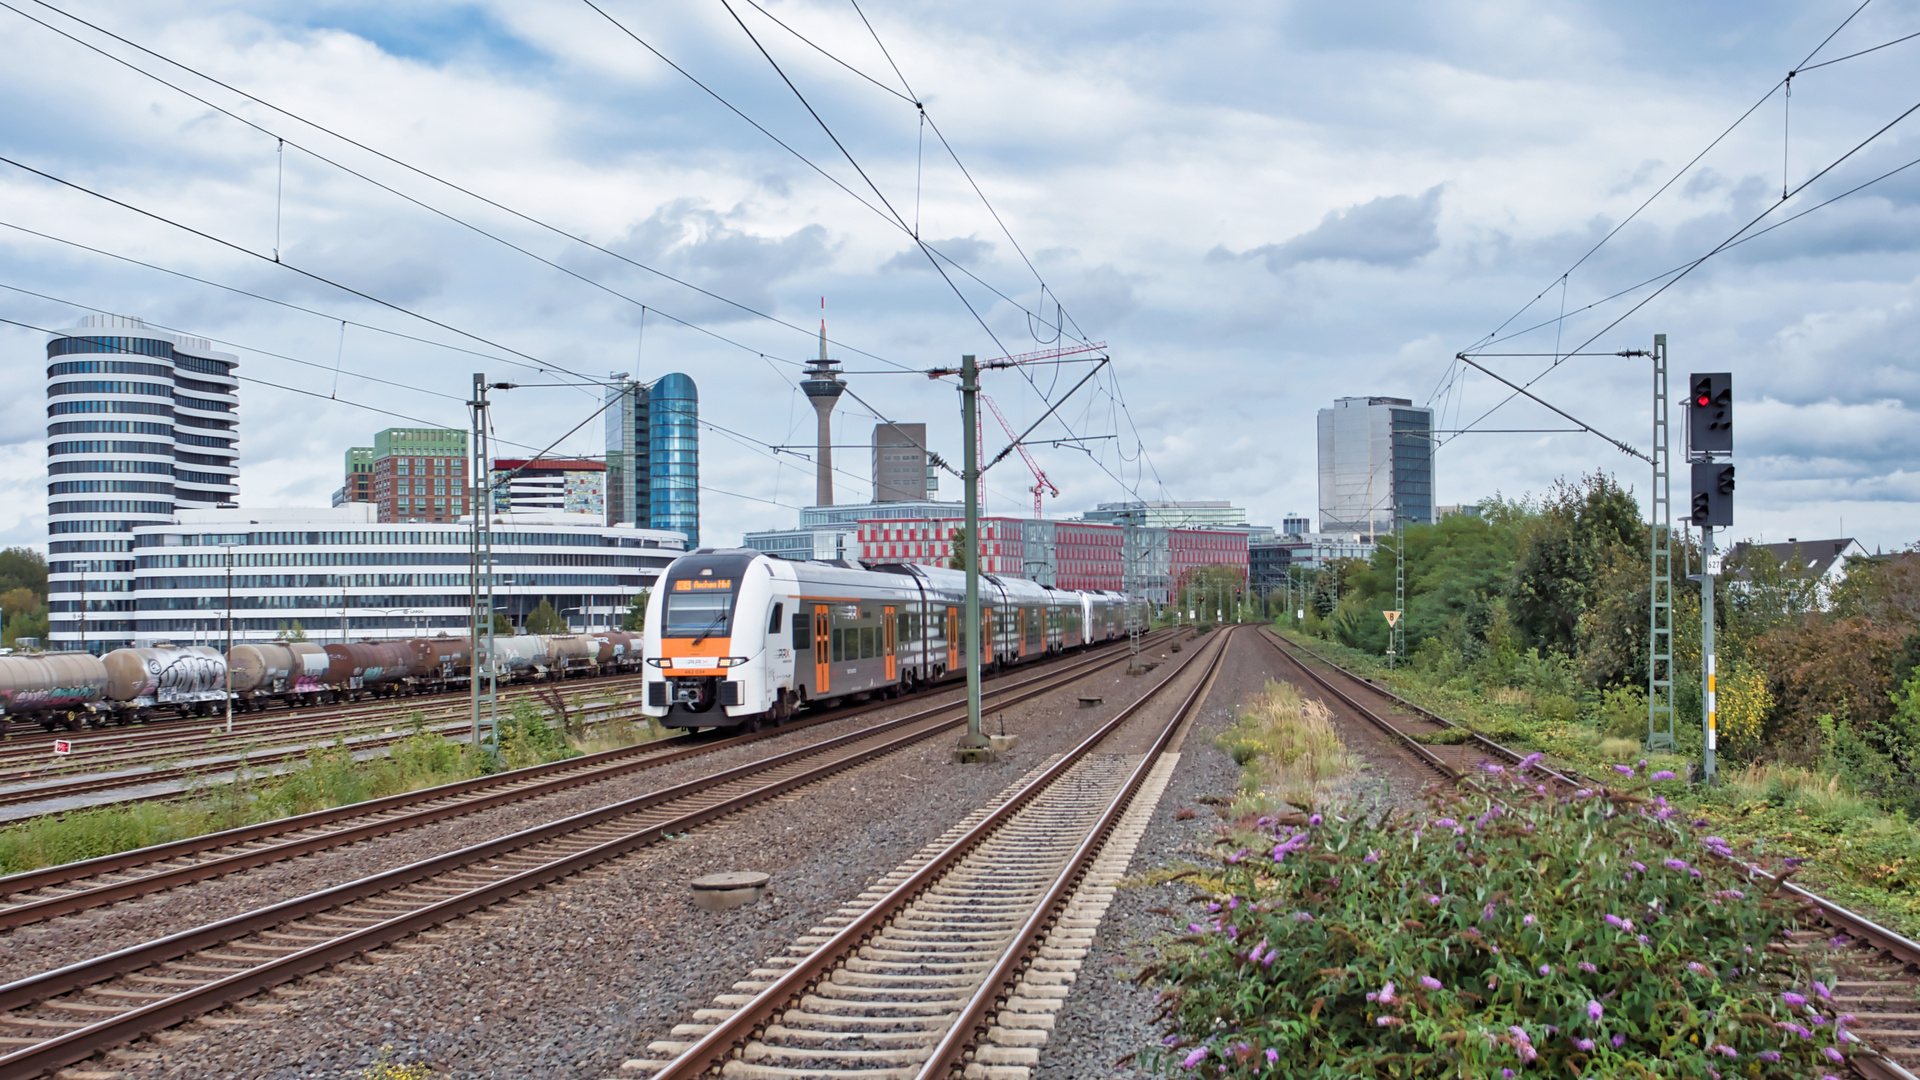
{"type": "Point", "coordinates": [1507, 931]}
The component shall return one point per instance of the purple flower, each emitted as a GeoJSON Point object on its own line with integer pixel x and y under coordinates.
{"type": "Point", "coordinates": [1700, 823]}
{"type": "Point", "coordinates": [1594, 1011]}
{"type": "Point", "coordinates": [1584, 1044]}
{"type": "Point", "coordinates": [1616, 921]}
{"type": "Point", "coordinates": [1768, 1055]}
{"type": "Point", "coordinates": [1723, 1048]}
{"type": "Point", "coordinates": [1793, 999]}
{"type": "Point", "coordinates": [1531, 760]}
{"type": "Point", "coordinates": [1833, 1055]}
{"type": "Point", "coordinates": [1640, 866]}
{"type": "Point", "coordinates": [1623, 770]}
{"type": "Point", "coordinates": [1838, 940]}
{"type": "Point", "coordinates": [1641, 938]}
{"type": "Point", "coordinates": [1696, 967]}
{"type": "Point", "coordinates": [1506, 1074]}
{"type": "Point", "coordinates": [1199, 1055]}
{"type": "Point", "coordinates": [1389, 1021]}
{"type": "Point", "coordinates": [1519, 1033]}
{"type": "Point", "coordinates": [1486, 912]}
{"type": "Point", "coordinates": [1588, 968]}
{"type": "Point", "coordinates": [1196, 928]}
{"type": "Point", "coordinates": [1820, 988]}
{"type": "Point", "coordinates": [1546, 969]}
{"type": "Point", "coordinates": [1273, 1056]}
{"type": "Point", "coordinates": [1254, 956]}
{"type": "Point", "coordinates": [1429, 982]}
{"type": "Point", "coordinates": [1386, 994]}
{"type": "Point", "coordinates": [1434, 900]}
{"type": "Point", "coordinates": [1619, 1041]}
{"type": "Point", "coordinates": [1373, 856]}
{"type": "Point", "coordinates": [1446, 823]}
{"type": "Point", "coordinates": [1313, 821]}
{"type": "Point", "coordinates": [1213, 907]}
{"type": "Point", "coordinates": [1528, 921]}
{"type": "Point", "coordinates": [1301, 916]}
{"type": "Point", "coordinates": [1677, 864]}
{"type": "Point", "coordinates": [1583, 793]}
{"type": "Point", "coordinates": [1663, 774]}
{"type": "Point", "coordinates": [1731, 894]}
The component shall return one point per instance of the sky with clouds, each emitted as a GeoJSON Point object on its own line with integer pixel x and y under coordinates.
{"type": "Point", "coordinates": [1259, 207]}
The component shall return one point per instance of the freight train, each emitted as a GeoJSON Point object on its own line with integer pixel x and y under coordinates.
{"type": "Point", "coordinates": [735, 638]}
{"type": "Point", "coordinates": [126, 685]}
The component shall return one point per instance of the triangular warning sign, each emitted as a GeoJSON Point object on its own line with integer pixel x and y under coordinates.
{"type": "Point", "coordinates": [1393, 617]}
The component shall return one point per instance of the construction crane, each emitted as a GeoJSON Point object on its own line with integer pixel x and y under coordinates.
{"type": "Point", "coordinates": [1040, 481]}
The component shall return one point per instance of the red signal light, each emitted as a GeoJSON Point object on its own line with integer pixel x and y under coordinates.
{"type": "Point", "coordinates": [1702, 401]}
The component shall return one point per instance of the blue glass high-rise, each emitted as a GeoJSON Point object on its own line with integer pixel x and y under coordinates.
{"type": "Point", "coordinates": [673, 459]}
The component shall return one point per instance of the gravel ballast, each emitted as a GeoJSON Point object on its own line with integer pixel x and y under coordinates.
{"type": "Point", "coordinates": [569, 980]}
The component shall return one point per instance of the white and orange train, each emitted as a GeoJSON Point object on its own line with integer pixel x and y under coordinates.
{"type": "Point", "coordinates": [736, 638]}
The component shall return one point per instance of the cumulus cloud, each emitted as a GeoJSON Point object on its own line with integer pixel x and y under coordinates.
{"type": "Point", "coordinates": [1392, 230]}
{"type": "Point", "coordinates": [689, 239]}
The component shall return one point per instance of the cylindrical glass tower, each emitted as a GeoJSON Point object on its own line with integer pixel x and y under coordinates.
{"type": "Point", "coordinates": [673, 460]}
{"type": "Point", "coordinates": [139, 423]}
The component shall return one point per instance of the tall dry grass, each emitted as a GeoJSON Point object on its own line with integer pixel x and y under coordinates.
{"type": "Point", "coordinates": [1286, 748]}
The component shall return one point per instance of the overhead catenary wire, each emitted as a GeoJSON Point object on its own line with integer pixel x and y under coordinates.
{"type": "Point", "coordinates": [1673, 277]}
{"type": "Point", "coordinates": [528, 218]}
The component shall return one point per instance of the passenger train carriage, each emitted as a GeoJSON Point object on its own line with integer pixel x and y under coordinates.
{"type": "Point", "coordinates": [737, 638]}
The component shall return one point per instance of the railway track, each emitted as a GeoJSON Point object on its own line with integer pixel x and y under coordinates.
{"type": "Point", "coordinates": [55, 891]}
{"type": "Point", "coordinates": [64, 1016]}
{"type": "Point", "coordinates": [1881, 968]}
{"type": "Point", "coordinates": [206, 736]}
{"type": "Point", "coordinates": [954, 963]}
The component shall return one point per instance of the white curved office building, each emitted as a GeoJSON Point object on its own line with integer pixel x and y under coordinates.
{"type": "Point", "coordinates": [141, 423]}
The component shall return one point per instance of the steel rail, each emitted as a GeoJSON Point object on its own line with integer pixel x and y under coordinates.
{"type": "Point", "coordinates": [718, 1045]}
{"type": "Point", "coordinates": [514, 787]}
{"type": "Point", "coordinates": [992, 993]}
{"type": "Point", "coordinates": [1426, 756]}
{"type": "Point", "coordinates": [81, 1043]}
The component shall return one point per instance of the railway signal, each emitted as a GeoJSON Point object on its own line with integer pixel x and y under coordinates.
{"type": "Point", "coordinates": [1712, 494]}
{"type": "Point", "coordinates": [1710, 413]}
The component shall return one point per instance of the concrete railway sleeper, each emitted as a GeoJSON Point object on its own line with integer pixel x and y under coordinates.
{"type": "Point", "coordinates": [953, 964]}
{"type": "Point", "coordinates": [64, 1016]}
{"type": "Point", "coordinates": [1879, 983]}
{"type": "Point", "coordinates": [73, 887]}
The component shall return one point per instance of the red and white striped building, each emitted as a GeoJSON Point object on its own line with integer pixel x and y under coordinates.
{"type": "Point", "coordinates": [1063, 554]}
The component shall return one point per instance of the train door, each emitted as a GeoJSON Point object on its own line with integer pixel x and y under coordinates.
{"type": "Point", "coordinates": [1023, 629]}
{"type": "Point", "coordinates": [953, 639]}
{"type": "Point", "coordinates": [822, 662]}
{"type": "Point", "coordinates": [888, 641]}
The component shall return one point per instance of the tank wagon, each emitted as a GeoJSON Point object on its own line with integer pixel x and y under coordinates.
{"type": "Point", "coordinates": [737, 638]}
{"type": "Point", "coordinates": [127, 685]}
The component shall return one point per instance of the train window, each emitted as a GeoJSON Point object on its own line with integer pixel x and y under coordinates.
{"type": "Point", "coordinates": [835, 649]}
{"type": "Point", "coordinates": [867, 642]}
{"type": "Point", "coordinates": [802, 632]}
{"type": "Point", "coordinates": [773, 624]}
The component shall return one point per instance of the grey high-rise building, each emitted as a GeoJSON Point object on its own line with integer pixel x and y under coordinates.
{"type": "Point", "coordinates": [653, 454]}
{"type": "Point", "coordinates": [901, 472]}
{"type": "Point", "coordinates": [140, 424]}
{"type": "Point", "coordinates": [1376, 465]}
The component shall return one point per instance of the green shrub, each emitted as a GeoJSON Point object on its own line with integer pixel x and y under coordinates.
{"type": "Point", "coordinates": [1556, 708]}
{"type": "Point", "coordinates": [1585, 935]}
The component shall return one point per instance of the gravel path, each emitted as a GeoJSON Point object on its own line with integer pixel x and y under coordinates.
{"type": "Point", "coordinates": [571, 980]}
{"type": "Point", "coordinates": [1107, 1017]}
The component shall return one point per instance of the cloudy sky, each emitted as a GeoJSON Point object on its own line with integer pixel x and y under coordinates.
{"type": "Point", "coordinates": [1259, 207]}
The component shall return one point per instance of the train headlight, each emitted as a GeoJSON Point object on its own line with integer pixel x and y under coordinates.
{"type": "Point", "coordinates": [657, 661]}
{"type": "Point", "coordinates": [730, 661]}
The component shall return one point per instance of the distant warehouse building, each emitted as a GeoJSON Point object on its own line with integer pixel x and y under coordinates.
{"type": "Point", "coordinates": [343, 575]}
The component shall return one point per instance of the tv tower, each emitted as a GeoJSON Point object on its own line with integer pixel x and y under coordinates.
{"type": "Point", "coordinates": [823, 386]}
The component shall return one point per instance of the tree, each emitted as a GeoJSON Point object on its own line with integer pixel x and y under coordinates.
{"type": "Point", "coordinates": [293, 631]}
{"type": "Point", "coordinates": [636, 617]}
{"type": "Point", "coordinates": [1564, 552]}
{"type": "Point", "coordinates": [1826, 667]}
{"type": "Point", "coordinates": [23, 568]}
{"type": "Point", "coordinates": [544, 620]}
{"type": "Point", "coordinates": [958, 561]}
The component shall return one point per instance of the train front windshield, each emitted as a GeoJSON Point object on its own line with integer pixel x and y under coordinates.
{"type": "Point", "coordinates": [698, 614]}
